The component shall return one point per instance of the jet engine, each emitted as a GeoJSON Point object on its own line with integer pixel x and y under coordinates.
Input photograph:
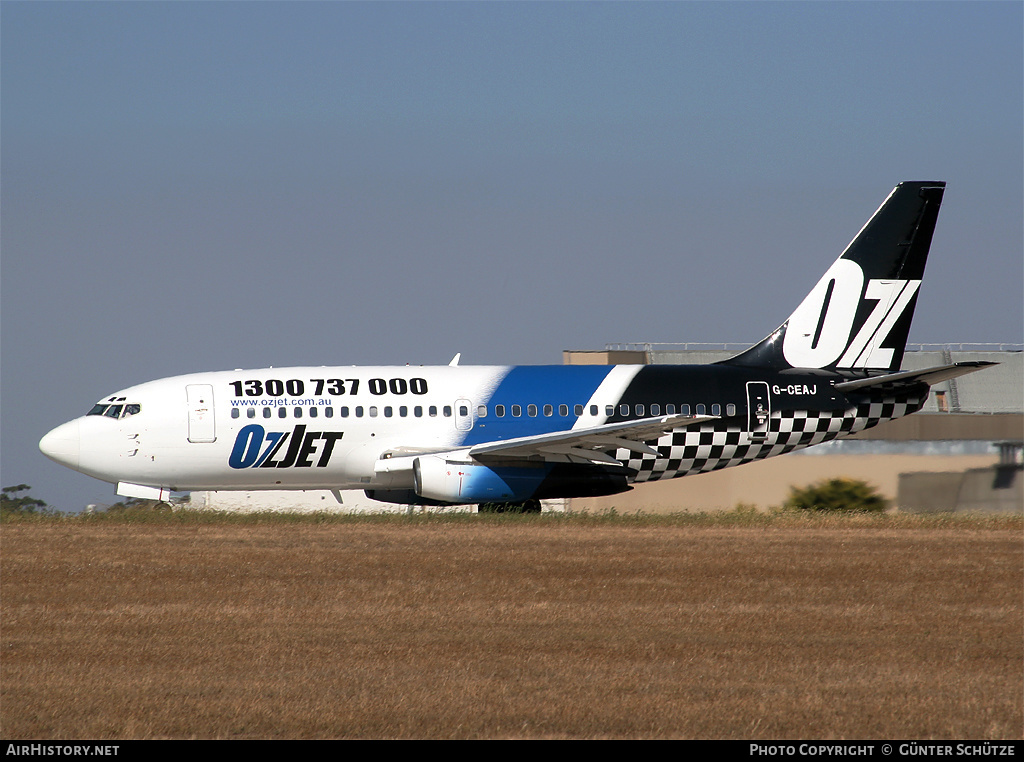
{"type": "Point", "coordinates": [436, 478]}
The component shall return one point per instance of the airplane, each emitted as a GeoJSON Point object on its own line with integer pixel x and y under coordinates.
{"type": "Point", "coordinates": [462, 435]}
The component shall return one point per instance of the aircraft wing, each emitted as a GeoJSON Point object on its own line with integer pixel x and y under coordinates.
{"type": "Point", "coordinates": [590, 443]}
{"type": "Point", "coordinates": [909, 377]}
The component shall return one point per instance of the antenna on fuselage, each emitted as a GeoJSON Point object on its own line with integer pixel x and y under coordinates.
{"type": "Point", "coordinates": [455, 360]}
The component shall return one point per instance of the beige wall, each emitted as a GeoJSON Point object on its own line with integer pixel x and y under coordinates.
{"type": "Point", "coordinates": [932, 427]}
{"type": "Point", "coordinates": [766, 483]}
{"type": "Point", "coordinates": [610, 357]}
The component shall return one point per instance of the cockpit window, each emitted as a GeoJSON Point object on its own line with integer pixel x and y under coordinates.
{"type": "Point", "coordinates": [115, 411]}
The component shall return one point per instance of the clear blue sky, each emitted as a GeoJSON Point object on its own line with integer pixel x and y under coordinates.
{"type": "Point", "coordinates": [199, 186]}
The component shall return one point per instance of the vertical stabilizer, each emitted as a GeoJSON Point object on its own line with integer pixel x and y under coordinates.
{"type": "Point", "coordinates": [858, 315]}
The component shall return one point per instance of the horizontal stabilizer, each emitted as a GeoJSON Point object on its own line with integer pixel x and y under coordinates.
{"type": "Point", "coordinates": [908, 377]}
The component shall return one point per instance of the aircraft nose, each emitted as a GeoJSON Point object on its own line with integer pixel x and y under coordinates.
{"type": "Point", "coordinates": [63, 444]}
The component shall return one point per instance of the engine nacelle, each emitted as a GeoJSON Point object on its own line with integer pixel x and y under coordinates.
{"type": "Point", "coordinates": [436, 478]}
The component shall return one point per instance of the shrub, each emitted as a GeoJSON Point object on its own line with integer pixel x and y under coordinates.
{"type": "Point", "coordinates": [836, 495]}
{"type": "Point", "coordinates": [138, 505]}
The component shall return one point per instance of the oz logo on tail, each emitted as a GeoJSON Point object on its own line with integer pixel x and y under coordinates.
{"type": "Point", "coordinates": [819, 331]}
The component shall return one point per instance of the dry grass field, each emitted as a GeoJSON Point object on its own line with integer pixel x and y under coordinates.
{"type": "Point", "coordinates": [864, 627]}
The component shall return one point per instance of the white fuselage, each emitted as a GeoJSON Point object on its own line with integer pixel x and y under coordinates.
{"type": "Point", "coordinates": [365, 427]}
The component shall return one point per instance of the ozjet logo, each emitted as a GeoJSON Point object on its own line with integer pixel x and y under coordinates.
{"type": "Point", "coordinates": [820, 329]}
{"type": "Point", "coordinates": [255, 447]}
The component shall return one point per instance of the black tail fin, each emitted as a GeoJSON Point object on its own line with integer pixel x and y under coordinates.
{"type": "Point", "coordinates": [858, 316]}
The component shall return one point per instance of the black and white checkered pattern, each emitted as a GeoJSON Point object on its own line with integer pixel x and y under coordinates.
{"type": "Point", "coordinates": [720, 445]}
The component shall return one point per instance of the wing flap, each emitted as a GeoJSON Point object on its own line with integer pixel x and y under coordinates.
{"type": "Point", "coordinates": [590, 443]}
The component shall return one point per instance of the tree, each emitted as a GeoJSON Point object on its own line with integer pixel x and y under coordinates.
{"type": "Point", "coordinates": [11, 503]}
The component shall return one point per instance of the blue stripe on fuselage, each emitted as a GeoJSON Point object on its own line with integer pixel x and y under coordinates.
{"type": "Point", "coordinates": [538, 385]}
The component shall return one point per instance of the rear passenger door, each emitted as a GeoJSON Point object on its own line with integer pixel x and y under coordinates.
{"type": "Point", "coordinates": [758, 410]}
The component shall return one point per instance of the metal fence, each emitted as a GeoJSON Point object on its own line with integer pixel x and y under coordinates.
{"type": "Point", "coordinates": [668, 346]}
